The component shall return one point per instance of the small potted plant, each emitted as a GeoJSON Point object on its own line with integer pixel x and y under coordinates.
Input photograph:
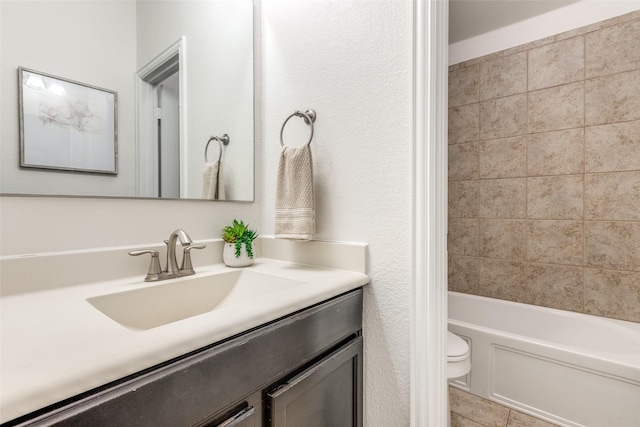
{"type": "Point", "coordinates": [238, 246]}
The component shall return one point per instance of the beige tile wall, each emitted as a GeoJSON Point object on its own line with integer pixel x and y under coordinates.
{"type": "Point", "coordinates": [544, 172]}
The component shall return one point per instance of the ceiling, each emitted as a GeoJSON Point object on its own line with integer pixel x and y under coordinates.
{"type": "Point", "coordinates": [468, 18]}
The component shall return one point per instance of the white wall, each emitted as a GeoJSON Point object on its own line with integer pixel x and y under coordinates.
{"type": "Point", "coordinates": [79, 29]}
{"type": "Point", "coordinates": [573, 16]}
{"type": "Point", "coordinates": [36, 224]}
{"type": "Point", "coordinates": [351, 61]}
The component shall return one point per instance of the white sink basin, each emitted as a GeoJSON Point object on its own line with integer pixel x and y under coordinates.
{"type": "Point", "coordinates": [164, 303]}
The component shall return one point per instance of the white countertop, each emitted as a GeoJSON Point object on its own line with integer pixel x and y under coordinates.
{"type": "Point", "coordinates": [55, 345]}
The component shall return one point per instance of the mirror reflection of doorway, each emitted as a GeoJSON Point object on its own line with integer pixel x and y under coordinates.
{"type": "Point", "coordinates": [160, 125]}
{"type": "Point", "coordinates": [168, 135]}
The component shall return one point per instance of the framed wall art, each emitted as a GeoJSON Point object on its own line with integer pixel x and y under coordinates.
{"type": "Point", "coordinates": [66, 125]}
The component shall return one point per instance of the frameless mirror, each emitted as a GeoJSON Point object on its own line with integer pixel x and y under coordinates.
{"type": "Point", "coordinates": [183, 76]}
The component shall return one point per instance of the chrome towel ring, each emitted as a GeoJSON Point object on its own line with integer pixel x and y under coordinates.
{"type": "Point", "coordinates": [309, 117]}
{"type": "Point", "coordinates": [224, 139]}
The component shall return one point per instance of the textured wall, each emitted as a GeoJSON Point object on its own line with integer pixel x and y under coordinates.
{"type": "Point", "coordinates": [544, 171]}
{"type": "Point", "coordinates": [351, 61]}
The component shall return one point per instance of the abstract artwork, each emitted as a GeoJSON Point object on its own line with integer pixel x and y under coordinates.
{"type": "Point", "coordinates": [66, 125]}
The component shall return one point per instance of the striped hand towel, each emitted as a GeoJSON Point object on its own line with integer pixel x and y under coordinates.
{"type": "Point", "coordinates": [295, 210]}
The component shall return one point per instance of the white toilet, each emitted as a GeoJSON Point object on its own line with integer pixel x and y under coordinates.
{"type": "Point", "coordinates": [458, 362]}
{"type": "Point", "coordinates": [458, 356]}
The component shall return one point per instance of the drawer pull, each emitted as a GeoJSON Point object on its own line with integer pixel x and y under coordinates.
{"type": "Point", "coordinates": [236, 419]}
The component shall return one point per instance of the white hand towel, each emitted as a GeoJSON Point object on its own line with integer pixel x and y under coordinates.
{"type": "Point", "coordinates": [295, 210]}
{"type": "Point", "coordinates": [212, 181]}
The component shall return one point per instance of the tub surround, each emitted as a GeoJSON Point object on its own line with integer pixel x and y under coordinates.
{"type": "Point", "coordinates": [544, 172]}
{"type": "Point", "coordinates": [56, 345]}
{"type": "Point", "coordinates": [571, 369]}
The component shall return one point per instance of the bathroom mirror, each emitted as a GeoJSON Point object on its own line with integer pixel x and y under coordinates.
{"type": "Point", "coordinates": [183, 71]}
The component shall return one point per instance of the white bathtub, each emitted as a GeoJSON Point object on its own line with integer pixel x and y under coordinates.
{"type": "Point", "coordinates": [568, 368]}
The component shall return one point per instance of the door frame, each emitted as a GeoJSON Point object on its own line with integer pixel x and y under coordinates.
{"type": "Point", "coordinates": [429, 302]}
{"type": "Point", "coordinates": [146, 148]}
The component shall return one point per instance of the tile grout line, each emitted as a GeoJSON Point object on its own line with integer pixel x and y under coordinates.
{"type": "Point", "coordinates": [478, 231]}
{"type": "Point", "coordinates": [584, 176]}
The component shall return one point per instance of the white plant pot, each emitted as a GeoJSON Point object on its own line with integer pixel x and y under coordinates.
{"type": "Point", "coordinates": [230, 259]}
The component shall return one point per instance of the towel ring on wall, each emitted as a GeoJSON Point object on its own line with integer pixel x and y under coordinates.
{"type": "Point", "coordinates": [309, 117]}
{"type": "Point", "coordinates": [224, 139]}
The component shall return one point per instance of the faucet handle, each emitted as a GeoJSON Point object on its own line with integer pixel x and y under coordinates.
{"type": "Point", "coordinates": [187, 268]}
{"type": "Point", "coordinates": [154, 266]}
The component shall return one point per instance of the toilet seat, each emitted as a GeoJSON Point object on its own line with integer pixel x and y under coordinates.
{"type": "Point", "coordinates": [458, 356]}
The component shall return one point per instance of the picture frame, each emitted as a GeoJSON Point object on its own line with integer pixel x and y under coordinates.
{"type": "Point", "coordinates": [66, 125]}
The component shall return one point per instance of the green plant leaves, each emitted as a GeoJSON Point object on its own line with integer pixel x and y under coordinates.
{"type": "Point", "coordinates": [239, 233]}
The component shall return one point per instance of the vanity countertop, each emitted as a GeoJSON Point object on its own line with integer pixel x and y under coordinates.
{"type": "Point", "coordinates": [56, 345]}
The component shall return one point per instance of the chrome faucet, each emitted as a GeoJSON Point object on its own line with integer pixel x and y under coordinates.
{"type": "Point", "coordinates": [171, 269]}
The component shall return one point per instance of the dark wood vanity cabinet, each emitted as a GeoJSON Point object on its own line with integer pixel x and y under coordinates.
{"type": "Point", "coordinates": [302, 370]}
{"type": "Point", "coordinates": [326, 394]}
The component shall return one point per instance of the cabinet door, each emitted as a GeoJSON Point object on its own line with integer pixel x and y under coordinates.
{"type": "Point", "coordinates": [328, 394]}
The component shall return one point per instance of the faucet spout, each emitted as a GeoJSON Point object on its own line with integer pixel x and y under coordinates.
{"type": "Point", "coordinates": [185, 240]}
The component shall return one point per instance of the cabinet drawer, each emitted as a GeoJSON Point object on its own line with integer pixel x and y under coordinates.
{"type": "Point", "coordinates": [327, 394]}
{"type": "Point", "coordinates": [190, 389]}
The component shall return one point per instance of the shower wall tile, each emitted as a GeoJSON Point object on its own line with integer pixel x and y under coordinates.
{"type": "Point", "coordinates": [537, 43]}
{"type": "Point", "coordinates": [556, 63]}
{"type": "Point", "coordinates": [555, 197]}
{"type": "Point", "coordinates": [482, 411]}
{"type": "Point", "coordinates": [463, 199]}
{"type": "Point", "coordinates": [463, 161]}
{"type": "Point", "coordinates": [631, 16]}
{"type": "Point", "coordinates": [463, 274]}
{"type": "Point", "coordinates": [613, 50]}
{"type": "Point", "coordinates": [556, 286]}
{"type": "Point", "coordinates": [556, 153]}
{"type": "Point", "coordinates": [463, 236]}
{"type": "Point", "coordinates": [503, 238]}
{"type": "Point", "coordinates": [464, 86]}
{"type": "Point", "coordinates": [545, 162]}
{"type": "Point", "coordinates": [613, 98]}
{"type": "Point", "coordinates": [503, 117]}
{"type": "Point", "coordinates": [614, 196]}
{"type": "Point", "coordinates": [556, 108]}
{"type": "Point", "coordinates": [502, 279]}
{"type": "Point", "coordinates": [502, 198]}
{"type": "Point", "coordinates": [503, 76]}
{"type": "Point", "coordinates": [613, 293]}
{"type": "Point", "coordinates": [555, 242]}
{"type": "Point", "coordinates": [612, 245]}
{"type": "Point", "coordinates": [502, 158]}
{"type": "Point", "coordinates": [614, 147]}
{"type": "Point", "coordinates": [464, 123]}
